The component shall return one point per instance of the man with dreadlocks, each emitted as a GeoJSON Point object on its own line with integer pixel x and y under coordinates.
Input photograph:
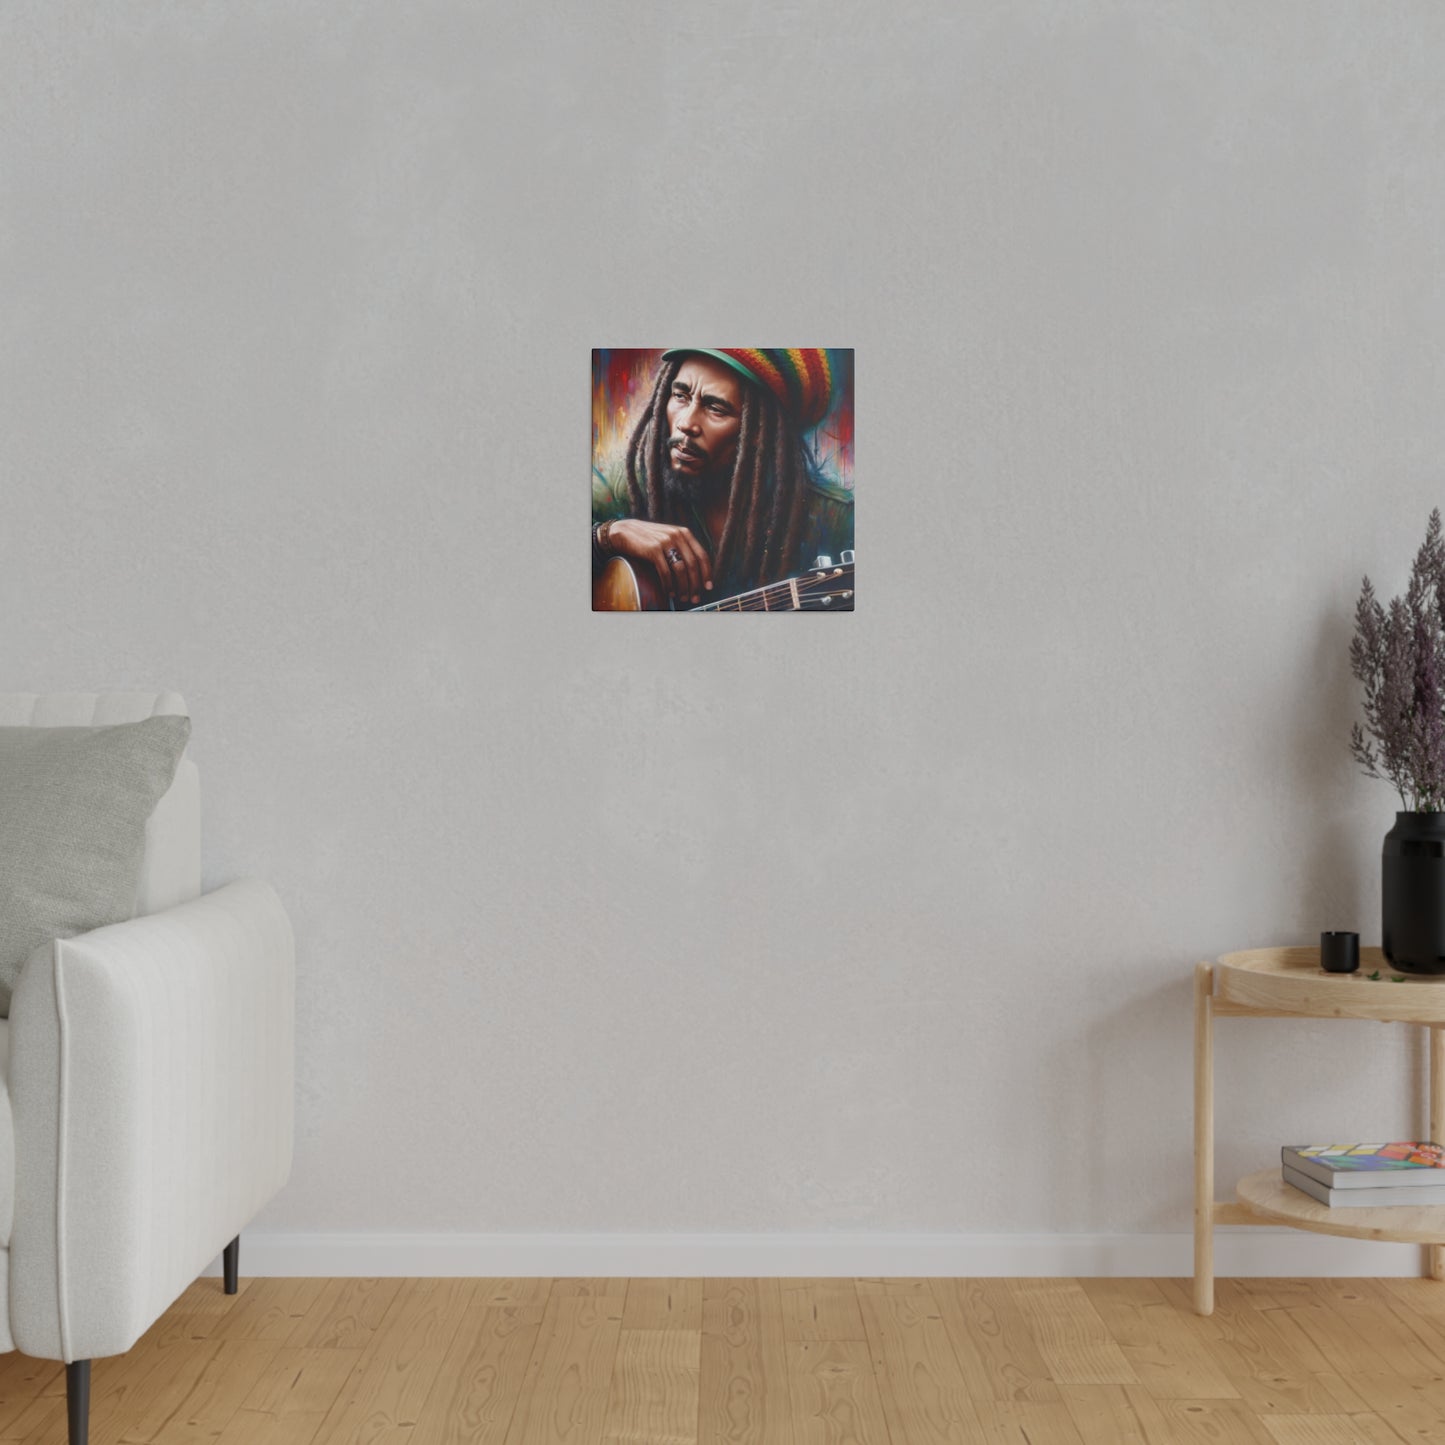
{"type": "Point", "coordinates": [720, 494]}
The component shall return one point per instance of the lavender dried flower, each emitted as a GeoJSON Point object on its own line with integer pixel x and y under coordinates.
{"type": "Point", "coordinates": [1399, 655]}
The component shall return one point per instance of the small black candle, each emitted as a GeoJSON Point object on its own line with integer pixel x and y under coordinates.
{"type": "Point", "coordinates": [1340, 952]}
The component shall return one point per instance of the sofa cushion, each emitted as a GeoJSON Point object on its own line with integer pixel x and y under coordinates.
{"type": "Point", "coordinates": [171, 872]}
{"type": "Point", "coordinates": [73, 808]}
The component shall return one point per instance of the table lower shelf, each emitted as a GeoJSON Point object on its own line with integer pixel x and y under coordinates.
{"type": "Point", "coordinates": [1267, 1195]}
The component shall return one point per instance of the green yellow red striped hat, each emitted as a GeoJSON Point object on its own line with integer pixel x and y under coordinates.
{"type": "Point", "coordinates": [800, 377]}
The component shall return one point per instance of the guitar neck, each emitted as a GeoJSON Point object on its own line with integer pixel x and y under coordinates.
{"type": "Point", "coordinates": [825, 589]}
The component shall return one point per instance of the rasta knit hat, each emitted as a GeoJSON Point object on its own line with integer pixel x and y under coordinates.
{"type": "Point", "coordinates": [800, 377]}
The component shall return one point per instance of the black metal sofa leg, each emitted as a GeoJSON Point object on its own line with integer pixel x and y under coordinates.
{"type": "Point", "coordinates": [77, 1401]}
{"type": "Point", "coordinates": [231, 1263]}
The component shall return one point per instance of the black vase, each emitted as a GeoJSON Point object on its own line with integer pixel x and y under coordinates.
{"type": "Point", "coordinates": [1414, 893]}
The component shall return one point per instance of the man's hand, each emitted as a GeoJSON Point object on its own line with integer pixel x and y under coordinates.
{"type": "Point", "coordinates": [679, 559]}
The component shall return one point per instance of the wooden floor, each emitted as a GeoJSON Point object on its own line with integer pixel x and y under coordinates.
{"type": "Point", "coordinates": [765, 1362]}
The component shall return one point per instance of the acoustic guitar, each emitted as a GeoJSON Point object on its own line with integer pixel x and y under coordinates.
{"type": "Point", "coordinates": [627, 586]}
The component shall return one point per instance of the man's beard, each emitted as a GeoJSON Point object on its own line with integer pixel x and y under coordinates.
{"type": "Point", "coordinates": [689, 485]}
{"type": "Point", "coordinates": [681, 486]}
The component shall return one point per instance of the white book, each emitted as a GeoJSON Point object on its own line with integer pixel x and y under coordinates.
{"type": "Point", "coordinates": [1408, 1194]}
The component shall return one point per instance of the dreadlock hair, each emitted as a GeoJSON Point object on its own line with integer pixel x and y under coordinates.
{"type": "Point", "coordinates": [766, 491]}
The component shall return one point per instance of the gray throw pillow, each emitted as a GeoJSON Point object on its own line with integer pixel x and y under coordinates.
{"type": "Point", "coordinates": [73, 809]}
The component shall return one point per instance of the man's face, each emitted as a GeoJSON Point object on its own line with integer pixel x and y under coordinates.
{"type": "Point", "coordinates": [704, 412]}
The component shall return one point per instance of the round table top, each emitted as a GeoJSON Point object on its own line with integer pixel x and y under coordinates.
{"type": "Point", "coordinates": [1290, 980]}
{"type": "Point", "coordinates": [1267, 1195]}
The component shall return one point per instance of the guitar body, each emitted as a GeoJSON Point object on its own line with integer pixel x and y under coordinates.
{"type": "Point", "coordinates": [626, 586]}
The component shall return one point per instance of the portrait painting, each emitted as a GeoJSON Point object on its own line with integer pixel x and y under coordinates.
{"type": "Point", "coordinates": [722, 479]}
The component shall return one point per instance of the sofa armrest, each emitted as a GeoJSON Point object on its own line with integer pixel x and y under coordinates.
{"type": "Point", "coordinates": [151, 1081]}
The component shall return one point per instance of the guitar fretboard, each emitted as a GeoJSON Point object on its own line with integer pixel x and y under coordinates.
{"type": "Point", "coordinates": [826, 590]}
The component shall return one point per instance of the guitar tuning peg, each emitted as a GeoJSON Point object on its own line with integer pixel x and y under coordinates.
{"type": "Point", "coordinates": [846, 556]}
{"type": "Point", "coordinates": [821, 561]}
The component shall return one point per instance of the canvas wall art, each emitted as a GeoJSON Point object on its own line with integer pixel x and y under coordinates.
{"type": "Point", "coordinates": [722, 479]}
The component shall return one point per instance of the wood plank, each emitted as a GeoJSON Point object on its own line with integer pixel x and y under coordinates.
{"type": "Point", "coordinates": [925, 1397]}
{"type": "Point", "coordinates": [209, 1297]}
{"type": "Point", "coordinates": [922, 1288]}
{"type": "Point", "coordinates": [1164, 1345]}
{"type": "Point", "coordinates": [346, 1316]}
{"type": "Point", "coordinates": [821, 1309]}
{"type": "Point", "coordinates": [271, 1309]}
{"type": "Point", "coordinates": [178, 1368]}
{"type": "Point", "coordinates": [654, 1388]}
{"type": "Point", "coordinates": [833, 1394]}
{"type": "Point", "coordinates": [1073, 1340]}
{"type": "Point", "coordinates": [23, 1380]}
{"type": "Point", "coordinates": [1256, 1315]}
{"type": "Point", "coordinates": [514, 1291]}
{"type": "Point", "coordinates": [1413, 1408]}
{"type": "Point", "coordinates": [173, 1327]}
{"type": "Point", "coordinates": [229, 1376]}
{"type": "Point", "coordinates": [1413, 1344]}
{"type": "Point", "coordinates": [1330, 1430]}
{"type": "Point", "coordinates": [996, 1350]}
{"type": "Point", "coordinates": [1108, 1413]}
{"type": "Point", "coordinates": [743, 1373]}
{"type": "Point", "coordinates": [1028, 1422]}
{"type": "Point", "coordinates": [302, 1380]}
{"type": "Point", "coordinates": [43, 1421]}
{"type": "Point", "coordinates": [663, 1304]}
{"type": "Point", "coordinates": [397, 1369]}
{"type": "Point", "coordinates": [566, 1392]}
{"type": "Point", "coordinates": [292, 1396]}
{"type": "Point", "coordinates": [1268, 1375]}
{"type": "Point", "coordinates": [598, 1288]}
{"type": "Point", "coordinates": [1207, 1422]}
{"type": "Point", "coordinates": [1421, 1312]}
{"type": "Point", "coordinates": [1423, 1297]}
{"type": "Point", "coordinates": [481, 1378]}
{"type": "Point", "coordinates": [1327, 1327]}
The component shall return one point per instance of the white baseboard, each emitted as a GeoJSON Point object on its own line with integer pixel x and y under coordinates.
{"type": "Point", "coordinates": [1237, 1252]}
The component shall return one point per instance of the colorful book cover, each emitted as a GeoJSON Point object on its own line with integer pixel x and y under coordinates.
{"type": "Point", "coordinates": [1366, 1158]}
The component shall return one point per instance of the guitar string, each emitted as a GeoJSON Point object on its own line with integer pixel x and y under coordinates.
{"type": "Point", "coordinates": [808, 602]}
{"type": "Point", "coordinates": [807, 585]}
{"type": "Point", "coordinates": [805, 599]}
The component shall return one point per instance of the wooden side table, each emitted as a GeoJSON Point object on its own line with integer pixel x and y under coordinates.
{"type": "Point", "coordinates": [1289, 983]}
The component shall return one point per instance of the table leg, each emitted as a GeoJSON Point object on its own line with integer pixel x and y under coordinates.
{"type": "Point", "coordinates": [1435, 1254]}
{"type": "Point", "coordinates": [1204, 1139]}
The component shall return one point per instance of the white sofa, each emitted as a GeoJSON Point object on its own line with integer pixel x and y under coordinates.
{"type": "Point", "coordinates": [148, 1074]}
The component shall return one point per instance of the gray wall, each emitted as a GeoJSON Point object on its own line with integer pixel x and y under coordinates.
{"type": "Point", "coordinates": [617, 923]}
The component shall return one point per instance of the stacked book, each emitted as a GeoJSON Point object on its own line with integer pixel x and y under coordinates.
{"type": "Point", "coordinates": [1367, 1176]}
